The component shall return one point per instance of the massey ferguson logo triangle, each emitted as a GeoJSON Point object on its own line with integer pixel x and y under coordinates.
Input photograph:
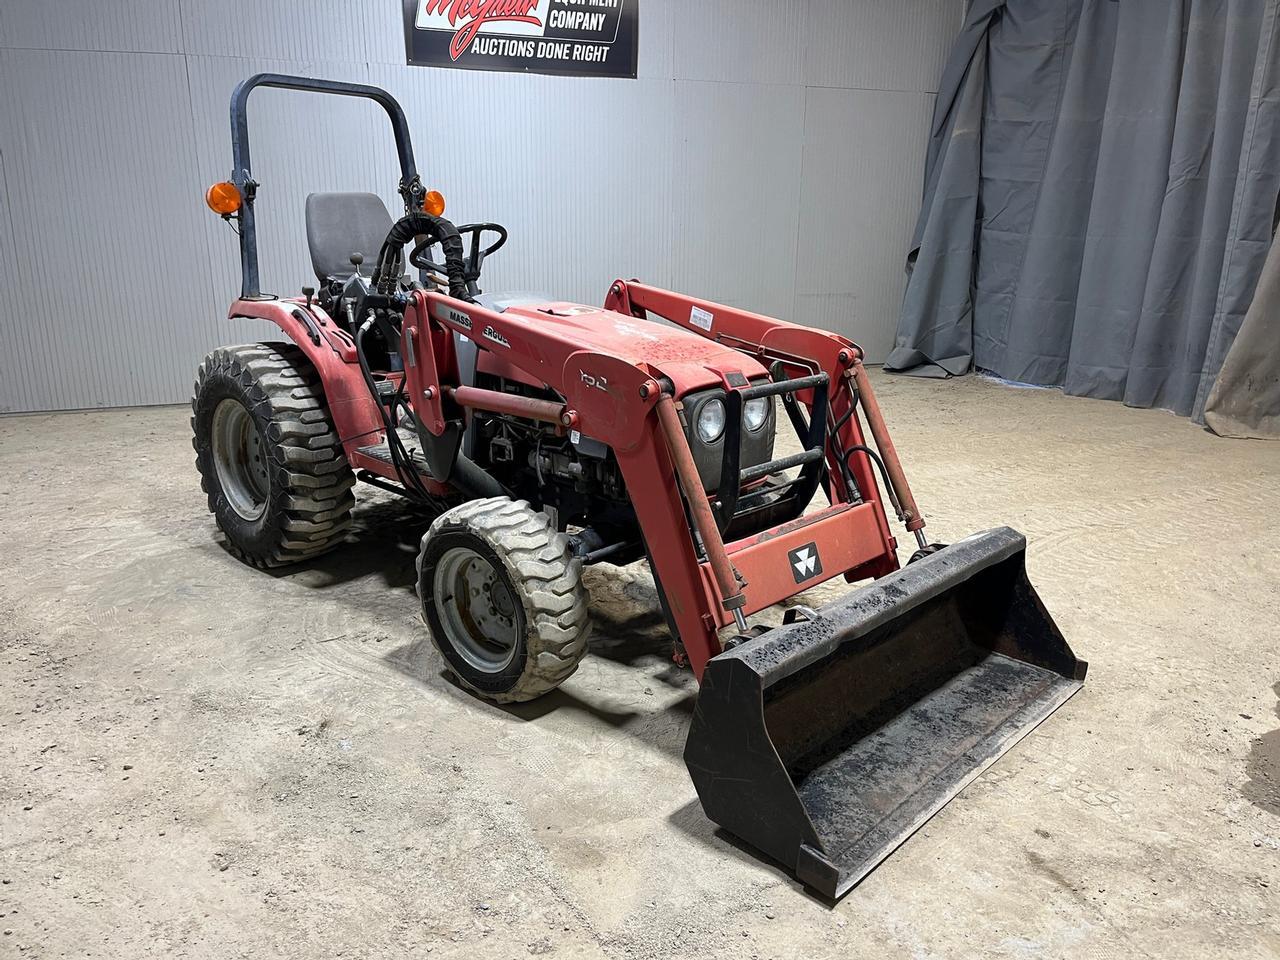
{"type": "Point", "coordinates": [805, 562]}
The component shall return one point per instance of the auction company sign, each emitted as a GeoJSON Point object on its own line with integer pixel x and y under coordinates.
{"type": "Point", "coordinates": [596, 38]}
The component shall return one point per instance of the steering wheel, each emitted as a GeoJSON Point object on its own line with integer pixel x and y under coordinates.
{"type": "Point", "coordinates": [475, 257]}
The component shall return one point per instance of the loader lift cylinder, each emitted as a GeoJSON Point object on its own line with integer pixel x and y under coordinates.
{"type": "Point", "coordinates": [704, 521]}
{"type": "Point", "coordinates": [903, 498]}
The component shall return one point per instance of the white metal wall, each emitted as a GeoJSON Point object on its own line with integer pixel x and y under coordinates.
{"type": "Point", "coordinates": [770, 156]}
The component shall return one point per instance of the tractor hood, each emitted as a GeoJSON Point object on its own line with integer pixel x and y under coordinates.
{"type": "Point", "coordinates": [691, 362]}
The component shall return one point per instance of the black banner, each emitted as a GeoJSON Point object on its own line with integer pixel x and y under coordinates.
{"type": "Point", "coordinates": [588, 38]}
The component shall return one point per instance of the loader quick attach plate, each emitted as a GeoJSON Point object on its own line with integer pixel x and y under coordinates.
{"type": "Point", "coordinates": [826, 743]}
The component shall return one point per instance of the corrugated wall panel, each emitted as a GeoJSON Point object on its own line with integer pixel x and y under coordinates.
{"type": "Point", "coordinates": [104, 209]}
{"type": "Point", "coordinates": [880, 44]}
{"type": "Point", "coordinates": [862, 171]}
{"type": "Point", "coordinates": [703, 174]}
{"type": "Point", "coordinates": [144, 26]}
{"type": "Point", "coordinates": [301, 31]}
{"type": "Point", "coordinates": [741, 41]}
{"type": "Point", "coordinates": [737, 192]}
{"type": "Point", "coordinates": [657, 38]}
{"type": "Point", "coordinates": [13, 378]}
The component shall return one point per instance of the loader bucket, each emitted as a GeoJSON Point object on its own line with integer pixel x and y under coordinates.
{"type": "Point", "coordinates": [826, 742]}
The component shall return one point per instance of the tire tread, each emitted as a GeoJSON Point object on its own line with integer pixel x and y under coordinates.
{"type": "Point", "coordinates": [548, 578]}
{"type": "Point", "coordinates": [308, 462]}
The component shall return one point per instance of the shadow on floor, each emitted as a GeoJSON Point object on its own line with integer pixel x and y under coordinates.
{"type": "Point", "coordinates": [374, 570]}
{"type": "Point", "coordinates": [1263, 767]}
{"type": "Point", "coordinates": [691, 821]}
{"type": "Point", "coordinates": [384, 540]}
{"type": "Point", "coordinates": [663, 728]}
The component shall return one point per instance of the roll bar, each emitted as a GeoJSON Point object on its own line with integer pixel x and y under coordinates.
{"type": "Point", "coordinates": [241, 175]}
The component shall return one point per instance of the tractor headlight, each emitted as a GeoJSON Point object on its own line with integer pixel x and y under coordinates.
{"type": "Point", "coordinates": [705, 420]}
{"type": "Point", "coordinates": [711, 421]}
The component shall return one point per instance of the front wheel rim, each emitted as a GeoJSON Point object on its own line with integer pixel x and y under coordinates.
{"type": "Point", "coordinates": [476, 609]}
{"type": "Point", "coordinates": [240, 458]}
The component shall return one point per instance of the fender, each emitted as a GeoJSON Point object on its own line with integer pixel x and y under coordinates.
{"type": "Point", "coordinates": [333, 355]}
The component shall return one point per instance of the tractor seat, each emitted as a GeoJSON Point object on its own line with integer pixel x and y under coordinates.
{"type": "Point", "coordinates": [340, 224]}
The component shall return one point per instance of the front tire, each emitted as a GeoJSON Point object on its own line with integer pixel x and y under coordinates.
{"type": "Point", "coordinates": [270, 461]}
{"type": "Point", "coordinates": [503, 597]}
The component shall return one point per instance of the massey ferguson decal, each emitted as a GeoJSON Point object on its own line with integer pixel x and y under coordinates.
{"type": "Point", "coordinates": [594, 38]}
{"type": "Point", "coordinates": [805, 562]}
{"type": "Point", "coordinates": [496, 337]}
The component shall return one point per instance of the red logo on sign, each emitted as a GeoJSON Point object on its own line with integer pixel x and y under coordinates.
{"type": "Point", "coordinates": [476, 13]}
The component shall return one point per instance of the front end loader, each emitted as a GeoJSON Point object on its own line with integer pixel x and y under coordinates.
{"type": "Point", "coordinates": [548, 436]}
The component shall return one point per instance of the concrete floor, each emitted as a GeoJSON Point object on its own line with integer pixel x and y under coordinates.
{"type": "Point", "coordinates": [200, 759]}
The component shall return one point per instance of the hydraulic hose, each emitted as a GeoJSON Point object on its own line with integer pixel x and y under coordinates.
{"type": "Point", "coordinates": [391, 262]}
{"type": "Point", "coordinates": [400, 457]}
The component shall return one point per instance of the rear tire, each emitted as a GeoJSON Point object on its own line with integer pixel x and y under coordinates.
{"type": "Point", "coordinates": [269, 457]}
{"type": "Point", "coordinates": [503, 597]}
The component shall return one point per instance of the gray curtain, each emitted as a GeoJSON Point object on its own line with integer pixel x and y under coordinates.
{"type": "Point", "coordinates": [1100, 194]}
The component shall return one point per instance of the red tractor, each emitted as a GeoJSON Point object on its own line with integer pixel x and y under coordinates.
{"type": "Point", "coordinates": [549, 436]}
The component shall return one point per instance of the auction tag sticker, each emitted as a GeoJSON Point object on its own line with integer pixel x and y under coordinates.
{"type": "Point", "coordinates": [700, 318]}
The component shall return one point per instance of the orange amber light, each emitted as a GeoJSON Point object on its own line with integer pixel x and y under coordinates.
{"type": "Point", "coordinates": [223, 198]}
{"type": "Point", "coordinates": [433, 203]}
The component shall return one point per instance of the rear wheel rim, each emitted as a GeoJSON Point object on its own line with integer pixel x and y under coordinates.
{"type": "Point", "coordinates": [476, 609]}
{"type": "Point", "coordinates": [240, 458]}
